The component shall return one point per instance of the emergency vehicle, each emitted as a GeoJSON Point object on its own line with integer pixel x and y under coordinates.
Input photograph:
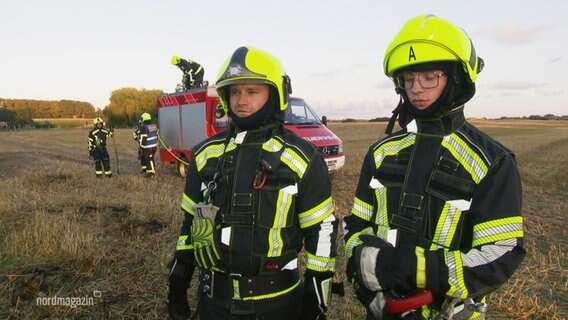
{"type": "Point", "coordinates": [188, 117]}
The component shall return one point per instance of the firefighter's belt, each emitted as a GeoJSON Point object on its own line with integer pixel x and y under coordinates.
{"type": "Point", "coordinates": [247, 287]}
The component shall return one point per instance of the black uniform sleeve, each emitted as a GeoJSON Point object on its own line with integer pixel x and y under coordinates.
{"type": "Point", "coordinates": [495, 227]}
{"type": "Point", "coordinates": [363, 206]}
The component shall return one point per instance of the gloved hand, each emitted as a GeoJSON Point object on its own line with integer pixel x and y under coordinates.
{"type": "Point", "coordinates": [179, 279]}
{"type": "Point", "coordinates": [205, 243]}
{"type": "Point", "coordinates": [92, 154]}
{"type": "Point", "coordinates": [317, 296]}
{"type": "Point", "coordinates": [374, 301]}
{"type": "Point", "coordinates": [377, 265]}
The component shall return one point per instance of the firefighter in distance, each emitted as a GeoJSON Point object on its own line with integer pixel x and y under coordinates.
{"type": "Point", "coordinates": [147, 137]}
{"type": "Point", "coordinates": [193, 72]}
{"type": "Point", "coordinates": [436, 223]}
{"type": "Point", "coordinates": [254, 195]}
{"type": "Point", "coordinates": [97, 142]}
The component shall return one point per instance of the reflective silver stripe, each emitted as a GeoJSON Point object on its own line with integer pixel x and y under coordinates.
{"type": "Point", "coordinates": [316, 214]}
{"type": "Point", "coordinates": [488, 253]}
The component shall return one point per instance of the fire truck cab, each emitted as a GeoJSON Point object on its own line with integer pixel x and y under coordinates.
{"type": "Point", "coordinates": [188, 117]}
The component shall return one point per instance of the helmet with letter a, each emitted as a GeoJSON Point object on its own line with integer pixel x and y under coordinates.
{"type": "Point", "coordinates": [428, 40]}
{"type": "Point", "coordinates": [251, 65]}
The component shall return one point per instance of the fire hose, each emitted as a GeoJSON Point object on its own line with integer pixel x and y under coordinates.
{"type": "Point", "coordinates": [169, 150]}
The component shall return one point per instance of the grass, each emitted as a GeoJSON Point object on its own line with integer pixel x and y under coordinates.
{"type": "Point", "coordinates": [64, 233]}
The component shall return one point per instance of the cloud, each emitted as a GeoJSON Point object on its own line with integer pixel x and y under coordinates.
{"type": "Point", "coordinates": [554, 59]}
{"type": "Point", "coordinates": [324, 74]}
{"type": "Point", "coordinates": [387, 84]}
{"type": "Point", "coordinates": [516, 36]}
{"type": "Point", "coordinates": [515, 85]}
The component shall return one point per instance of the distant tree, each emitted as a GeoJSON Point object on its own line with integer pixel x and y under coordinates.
{"type": "Point", "coordinates": [127, 104]}
{"type": "Point", "coordinates": [7, 115]}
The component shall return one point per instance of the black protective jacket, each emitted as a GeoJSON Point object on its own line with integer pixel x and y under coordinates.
{"type": "Point", "coordinates": [451, 190]}
{"type": "Point", "coordinates": [263, 223]}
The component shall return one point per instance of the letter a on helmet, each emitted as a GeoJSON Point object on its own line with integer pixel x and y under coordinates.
{"type": "Point", "coordinates": [427, 38]}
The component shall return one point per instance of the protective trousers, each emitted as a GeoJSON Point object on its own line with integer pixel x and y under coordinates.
{"type": "Point", "coordinates": [102, 161]}
{"type": "Point", "coordinates": [147, 160]}
{"type": "Point", "coordinates": [208, 310]}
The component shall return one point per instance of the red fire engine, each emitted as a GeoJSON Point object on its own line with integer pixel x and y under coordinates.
{"type": "Point", "coordinates": [188, 117]}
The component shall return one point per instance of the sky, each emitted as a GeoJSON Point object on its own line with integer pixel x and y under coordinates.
{"type": "Point", "coordinates": [332, 50]}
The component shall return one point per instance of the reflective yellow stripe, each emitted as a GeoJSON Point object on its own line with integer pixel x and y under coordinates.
{"type": "Point", "coordinates": [187, 204]}
{"type": "Point", "coordinates": [455, 272]}
{"type": "Point", "coordinates": [362, 209]}
{"type": "Point", "coordinates": [446, 227]}
{"type": "Point", "coordinates": [496, 230]}
{"type": "Point", "coordinates": [420, 268]}
{"type": "Point", "coordinates": [236, 290]}
{"type": "Point", "coordinates": [181, 243]}
{"type": "Point", "coordinates": [275, 243]}
{"type": "Point", "coordinates": [466, 156]}
{"type": "Point", "coordinates": [318, 263]}
{"type": "Point", "coordinates": [293, 160]}
{"type": "Point", "coordinates": [382, 220]}
{"type": "Point", "coordinates": [317, 214]}
{"type": "Point", "coordinates": [273, 295]}
{"type": "Point", "coordinates": [272, 145]}
{"type": "Point", "coordinates": [391, 148]}
{"type": "Point", "coordinates": [212, 151]}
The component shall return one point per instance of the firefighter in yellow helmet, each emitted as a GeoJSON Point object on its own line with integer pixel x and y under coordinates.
{"type": "Point", "coordinates": [147, 137]}
{"type": "Point", "coordinates": [193, 72]}
{"type": "Point", "coordinates": [254, 196]}
{"type": "Point", "coordinates": [97, 140]}
{"type": "Point", "coordinates": [436, 222]}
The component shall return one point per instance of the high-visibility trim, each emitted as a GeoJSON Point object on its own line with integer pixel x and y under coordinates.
{"type": "Point", "coordinates": [236, 290]}
{"type": "Point", "coordinates": [495, 230]}
{"type": "Point", "coordinates": [391, 148]}
{"type": "Point", "coordinates": [362, 209]}
{"type": "Point", "coordinates": [351, 244]}
{"type": "Point", "coordinates": [488, 253]}
{"type": "Point", "coordinates": [466, 156]}
{"type": "Point", "coordinates": [213, 151]}
{"type": "Point", "coordinates": [381, 219]}
{"type": "Point", "coordinates": [446, 227]}
{"type": "Point", "coordinates": [273, 145]}
{"type": "Point", "coordinates": [181, 243]}
{"type": "Point", "coordinates": [295, 161]}
{"type": "Point", "coordinates": [318, 263]}
{"type": "Point", "coordinates": [275, 242]}
{"type": "Point", "coordinates": [317, 214]}
{"type": "Point", "coordinates": [420, 268]}
{"type": "Point", "coordinates": [455, 271]}
{"type": "Point", "coordinates": [187, 204]}
{"type": "Point", "coordinates": [275, 294]}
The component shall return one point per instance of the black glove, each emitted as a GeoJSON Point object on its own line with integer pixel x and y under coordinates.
{"type": "Point", "coordinates": [92, 154]}
{"type": "Point", "coordinates": [179, 279]}
{"type": "Point", "coordinates": [317, 296]}
{"type": "Point", "coordinates": [395, 268]}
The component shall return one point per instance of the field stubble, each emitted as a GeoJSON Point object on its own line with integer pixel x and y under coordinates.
{"type": "Point", "coordinates": [64, 233]}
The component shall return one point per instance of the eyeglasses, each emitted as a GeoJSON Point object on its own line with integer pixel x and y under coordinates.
{"type": "Point", "coordinates": [428, 79]}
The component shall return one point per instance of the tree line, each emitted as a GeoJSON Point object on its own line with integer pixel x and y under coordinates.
{"type": "Point", "coordinates": [125, 107]}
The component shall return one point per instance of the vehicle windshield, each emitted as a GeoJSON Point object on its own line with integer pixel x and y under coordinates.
{"type": "Point", "coordinates": [299, 112]}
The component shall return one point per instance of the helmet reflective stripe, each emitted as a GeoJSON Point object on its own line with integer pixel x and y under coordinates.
{"type": "Point", "coordinates": [427, 38]}
{"type": "Point", "coordinates": [251, 65]}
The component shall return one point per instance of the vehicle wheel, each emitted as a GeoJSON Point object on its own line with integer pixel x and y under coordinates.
{"type": "Point", "coordinates": [181, 167]}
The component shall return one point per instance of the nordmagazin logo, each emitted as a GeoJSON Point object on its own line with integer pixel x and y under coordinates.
{"type": "Point", "coordinates": [71, 302]}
